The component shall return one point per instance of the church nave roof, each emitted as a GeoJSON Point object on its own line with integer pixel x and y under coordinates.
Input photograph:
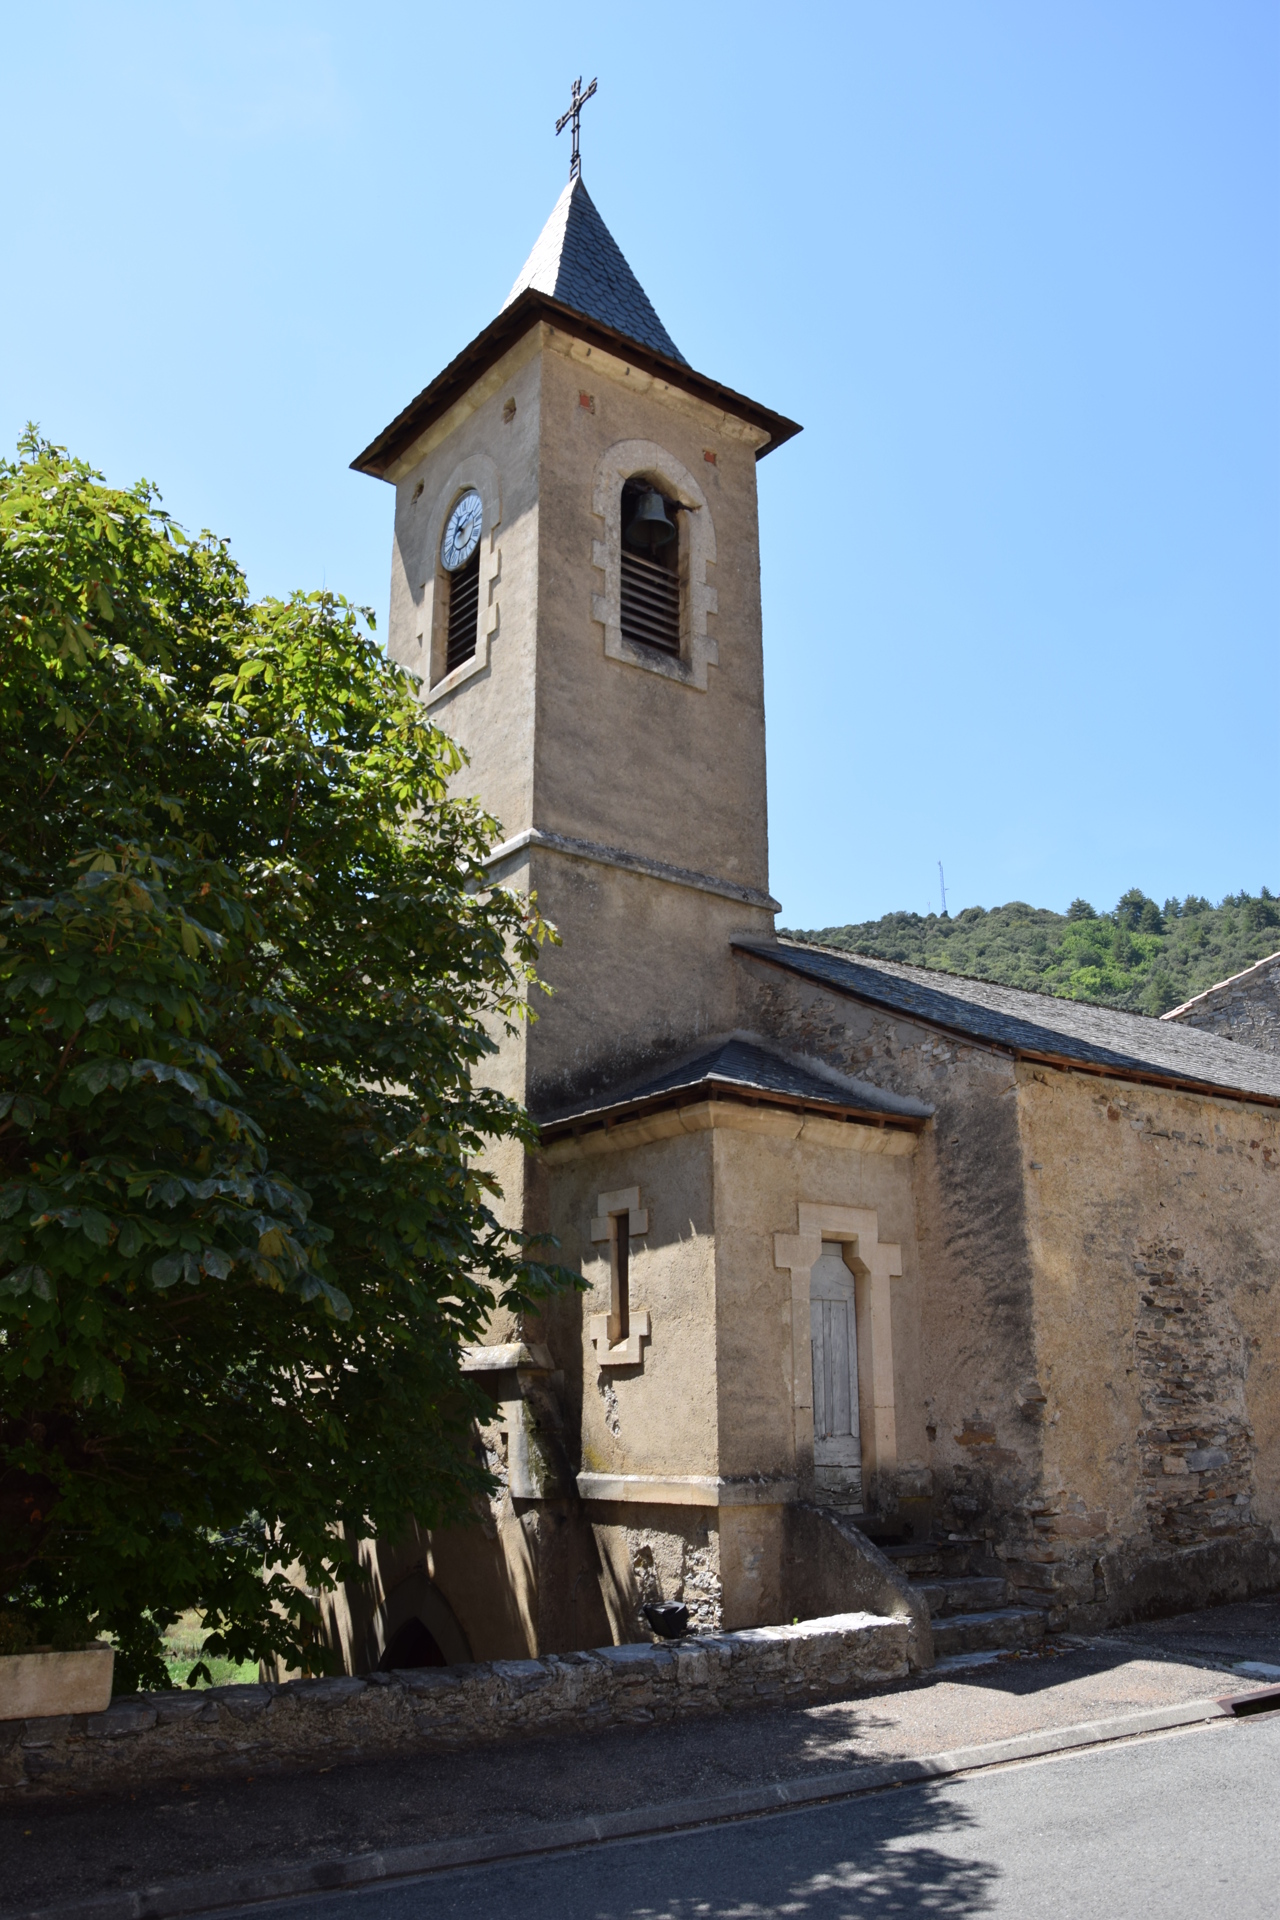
{"type": "Point", "coordinates": [1038, 1025]}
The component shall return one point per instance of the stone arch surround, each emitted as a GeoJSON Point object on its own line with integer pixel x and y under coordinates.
{"type": "Point", "coordinates": [619, 463]}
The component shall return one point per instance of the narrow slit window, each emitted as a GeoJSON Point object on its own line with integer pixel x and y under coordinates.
{"type": "Point", "coordinates": [464, 613]}
{"type": "Point", "coordinates": [650, 568]}
{"type": "Point", "coordinates": [619, 1328]}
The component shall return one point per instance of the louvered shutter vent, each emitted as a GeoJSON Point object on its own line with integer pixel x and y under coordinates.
{"type": "Point", "coordinates": [464, 613]}
{"type": "Point", "coordinates": [650, 576]}
{"type": "Point", "coordinates": [650, 602]}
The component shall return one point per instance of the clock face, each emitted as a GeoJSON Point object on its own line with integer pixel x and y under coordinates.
{"type": "Point", "coordinates": [462, 532]}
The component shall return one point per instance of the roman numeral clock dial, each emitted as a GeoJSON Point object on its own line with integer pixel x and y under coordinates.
{"type": "Point", "coordinates": [462, 532]}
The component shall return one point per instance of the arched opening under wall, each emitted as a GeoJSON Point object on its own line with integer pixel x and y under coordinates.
{"type": "Point", "coordinates": [416, 1627]}
{"type": "Point", "coordinates": [411, 1645]}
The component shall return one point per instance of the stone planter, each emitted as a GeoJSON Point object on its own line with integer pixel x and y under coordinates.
{"type": "Point", "coordinates": [42, 1684]}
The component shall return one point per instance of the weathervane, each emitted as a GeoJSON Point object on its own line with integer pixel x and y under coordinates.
{"type": "Point", "coordinates": [574, 114]}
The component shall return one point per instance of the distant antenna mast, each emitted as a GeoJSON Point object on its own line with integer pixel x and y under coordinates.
{"type": "Point", "coordinates": [942, 883]}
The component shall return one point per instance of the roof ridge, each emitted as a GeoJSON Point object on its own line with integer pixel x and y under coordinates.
{"type": "Point", "coordinates": [978, 979]}
{"type": "Point", "coordinates": [1267, 960]}
{"type": "Point", "coordinates": [1103, 1039]}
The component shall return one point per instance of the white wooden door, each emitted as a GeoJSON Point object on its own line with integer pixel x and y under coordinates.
{"type": "Point", "coordinates": [837, 1448]}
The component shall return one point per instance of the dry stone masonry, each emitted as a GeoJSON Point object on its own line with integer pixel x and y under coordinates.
{"type": "Point", "coordinates": [238, 1730]}
{"type": "Point", "coordinates": [1246, 1007]}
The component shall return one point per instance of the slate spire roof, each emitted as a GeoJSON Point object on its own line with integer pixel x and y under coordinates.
{"type": "Point", "coordinates": [577, 261]}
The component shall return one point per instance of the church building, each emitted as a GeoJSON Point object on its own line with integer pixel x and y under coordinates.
{"type": "Point", "coordinates": [872, 1254]}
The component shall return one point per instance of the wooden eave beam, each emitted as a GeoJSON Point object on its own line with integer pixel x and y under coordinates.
{"type": "Point", "coordinates": [607, 1118]}
{"type": "Point", "coordinates": [510, 326]}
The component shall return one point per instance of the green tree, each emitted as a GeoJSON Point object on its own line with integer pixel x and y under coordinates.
{"type": "Point", "coordinates": [1134, 957]}
{"type": "Point", "coordinates": [249, 960]}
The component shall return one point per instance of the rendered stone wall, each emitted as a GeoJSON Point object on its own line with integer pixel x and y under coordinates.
{"type": "Point", "coordinates": [1154, 1218]}
{"type": "Point", "coordinates": [1098, 1269]}
{"type": "Point", "coordinates": [963, 1334]}
{"type": "Point", "coordinates": [1245, 1008]}
{"type": "Point", "coordinates": [239, 1730]}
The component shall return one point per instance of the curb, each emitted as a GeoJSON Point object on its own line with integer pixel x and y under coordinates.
{"type": "Point", "coordinates": [208, 1892]}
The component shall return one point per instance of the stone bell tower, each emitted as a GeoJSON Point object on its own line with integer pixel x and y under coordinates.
{"type": "Point", "coordinates": [576, 579]}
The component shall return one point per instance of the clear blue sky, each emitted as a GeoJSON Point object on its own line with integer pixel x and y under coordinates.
{"type": "Point", "coordinates": [1014, 266]}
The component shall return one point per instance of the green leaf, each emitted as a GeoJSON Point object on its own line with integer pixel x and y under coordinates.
{"type": "Point", "coordinates": [244, 892]}
{"type": "Point", "coordinates": [95, 1226]}
{"type": "Point", "coordinates": [27, 1278]}
{"type": "Point", "coordinates": [133, 1236]}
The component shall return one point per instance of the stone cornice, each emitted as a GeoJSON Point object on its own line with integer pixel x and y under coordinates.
{"type": "Point", "coordinates": [631, 863]}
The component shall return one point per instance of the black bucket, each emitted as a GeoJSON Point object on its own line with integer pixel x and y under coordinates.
{"type": "Point", "coordinates": [668, 1618]}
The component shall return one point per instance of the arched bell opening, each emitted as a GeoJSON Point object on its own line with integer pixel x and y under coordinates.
{"type": "Point", "coordinates": [651, 566]}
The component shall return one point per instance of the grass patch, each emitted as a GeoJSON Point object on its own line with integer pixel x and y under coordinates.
{"type": "Point", "coordinates": [182, 1645]}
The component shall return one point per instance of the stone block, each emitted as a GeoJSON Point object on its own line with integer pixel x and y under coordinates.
{"type": "Point", "coordinates": [47, 1731]}
{"type": "Point", "coordinates": [693, 1666]}
{"type": "Point", "coordinates": [122, 1717]}
{"type": "Point", "coordinates": [333, 1691]}
{"type": "Point", "coordinates": [177, 1709]}
{"type": "Point", "coordinates": [432, 1680]}
{"type": "Point", "coordinates": [523, 1676]}
{"type": "Point", "coordinates": [245, 1702]}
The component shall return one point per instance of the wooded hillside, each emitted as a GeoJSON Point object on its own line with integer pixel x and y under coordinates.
{"type": "Point", "coordinates": [1139, 955]}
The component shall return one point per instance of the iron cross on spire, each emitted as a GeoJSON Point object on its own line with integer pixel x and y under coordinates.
{"type": "Point", "coordinates": [574, 114]}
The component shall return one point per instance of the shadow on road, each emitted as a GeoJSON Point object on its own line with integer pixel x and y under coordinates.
{"type": "Point", "coordinates": [72, 1845]}
{"type": "Point", "coordinates": [902, 1855]}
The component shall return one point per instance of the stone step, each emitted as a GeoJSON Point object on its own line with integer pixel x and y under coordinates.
{"type": "Point", "coordinates": [934, 1560]}
{"type": "Point", "coordinates": [1004, 1628]}
{"type": "Point", "coordinates": [971, 1593]}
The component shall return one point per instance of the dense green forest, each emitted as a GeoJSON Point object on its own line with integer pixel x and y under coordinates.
{"type": "Point", "coordinates": [1139, 955]}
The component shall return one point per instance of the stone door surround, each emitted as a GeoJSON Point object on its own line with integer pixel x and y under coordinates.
{"type": "Point", "coordinates": [874, 1264]}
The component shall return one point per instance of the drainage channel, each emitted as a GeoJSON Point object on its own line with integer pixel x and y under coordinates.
{"type": "Point", "coordinates": [1267, 1700]}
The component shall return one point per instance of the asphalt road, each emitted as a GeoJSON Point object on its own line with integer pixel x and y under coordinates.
{"type": "Point", "coordinates": [1162, 1828]}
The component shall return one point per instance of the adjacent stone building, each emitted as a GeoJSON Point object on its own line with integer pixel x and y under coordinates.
{"type": "Point", "coordinates": [868, 1250]}
{"type": "Point", "coordinates": [1246, 1007]}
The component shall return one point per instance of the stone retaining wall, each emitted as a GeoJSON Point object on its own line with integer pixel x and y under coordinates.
{"type": "Point", "coordinates": [245, 1730]}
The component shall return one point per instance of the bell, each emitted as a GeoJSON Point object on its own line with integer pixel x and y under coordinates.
{"type": "Point", "coordinates": [650, 526]}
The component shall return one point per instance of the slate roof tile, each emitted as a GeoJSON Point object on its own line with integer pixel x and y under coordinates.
{"type": "Point", "coordinates": [1035, 1023]}
{"type": "Point", "coordinates": [577, 261]}
{"type": "Point", "coordinates": [740, 1066]}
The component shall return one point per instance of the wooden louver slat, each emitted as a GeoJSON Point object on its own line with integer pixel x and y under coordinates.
{"type": "Point", "coordinates": [464, 611]}
{"type": "Point", "coordinates": [650, 603]}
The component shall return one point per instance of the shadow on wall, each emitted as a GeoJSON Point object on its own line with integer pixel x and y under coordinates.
{"type": "Point", "coordinates": [536, 1577]}
{"type": "Point", "coordinates": [831, 1567]}
{"type": "Point", "coordinates": [523, 1579]}
{"type": "Point", "coordinates": [417, 1628]}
